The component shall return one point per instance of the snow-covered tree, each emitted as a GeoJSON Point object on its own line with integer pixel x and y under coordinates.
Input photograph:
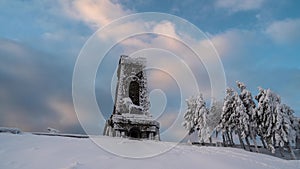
{"type": "Point", "coordinates": [297, 128]}
{"type": "Point", "coordinates": [276, 122]}
{"type": "Point", "coordinates": [266, 110]}
{"type": "Point", "coordinates": [226, 122]}
{"type": "Point", "coordinates": [240, 119]}
{"type": "Point", "coordinates": [272, 121]}
{"type": "Point", "coordinates": [214, 116]}
{"type": "Point", "coordinates": [203, 130]}
{"type": "Point", "coordinates": [234, 118]}
{"type": "Point", "coordinates": [195, 118]}
{"type": "Point", "coordinates": [260, 114]}
{"type": "Point", "coordinates": [285, 131]}
{"type": "Point", "coordinates": [190, 116]}
{"type": "Point", "coordinates": [249, 104]}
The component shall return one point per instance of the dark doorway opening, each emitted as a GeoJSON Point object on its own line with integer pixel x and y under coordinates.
{"type": "Point", "coordinates": [134, 133]}
{"type": "Point", "coordinates": [134, 92]}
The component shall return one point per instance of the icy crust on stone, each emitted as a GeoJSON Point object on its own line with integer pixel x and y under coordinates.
{"type": "Point", "coordinates": [134, 119]}
{"type": "Point", "coordinates": [126, 106]}
{"type": "Point", "coordinates": [133, 71]}
{"type": "Point", "coordinates": [137, 60]}
{"type": "Point", "coordinates": [134, 109]}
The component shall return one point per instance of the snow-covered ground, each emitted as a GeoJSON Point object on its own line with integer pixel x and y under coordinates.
{"type": "Point", "coordinates": [54, 152]}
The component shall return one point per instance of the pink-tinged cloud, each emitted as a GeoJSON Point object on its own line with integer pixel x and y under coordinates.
{"type": "Point", "coordinates": [65, 111]}
{"type": "Point", "coordinates": [95, 13]}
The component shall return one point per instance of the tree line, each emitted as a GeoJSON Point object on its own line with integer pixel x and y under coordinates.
{"type": "Point", "coordinates": [249, 118]}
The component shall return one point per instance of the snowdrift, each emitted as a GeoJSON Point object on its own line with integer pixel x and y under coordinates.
{"type": "Point", "coordinates": [28, 151]}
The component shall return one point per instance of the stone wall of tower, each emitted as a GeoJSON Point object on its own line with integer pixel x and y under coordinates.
{"type": "Point", "coordinates": [129, 70]}
{"type": "Point", "coordinates": [131, 117]}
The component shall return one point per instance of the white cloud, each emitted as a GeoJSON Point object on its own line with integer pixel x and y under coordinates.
{"type": "Point", "coordinates": [226, 44]}
{"type": "Point", "coordinates": [239, 5]}
{"type": "Point", "coordinates": [167, 28]}
{"type": "Point", "coordinates": [285, 31]}
{"type": "Point", "coordinates": [98, 13]}
{"type": "Point", "coordinates": [94, 13]}
{"type": "Point", "coordinates": [91, 13]}
{"type": "Point", "coordinates": [229, 42]}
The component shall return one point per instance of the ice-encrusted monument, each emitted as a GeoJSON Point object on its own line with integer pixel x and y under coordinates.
{"type": "Point", "coordinates": [131, 117]}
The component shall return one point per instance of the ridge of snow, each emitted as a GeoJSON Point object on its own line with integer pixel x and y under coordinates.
{"type": "Point", "coordinates": [10, 130]}
{"type": "Point", "coordinates": [34, 152]}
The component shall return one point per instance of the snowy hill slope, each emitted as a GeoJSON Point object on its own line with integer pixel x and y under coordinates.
{"type": "Point", "coordinates": [49, 152]}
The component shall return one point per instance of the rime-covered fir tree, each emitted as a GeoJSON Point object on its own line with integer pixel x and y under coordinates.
{"type": "Point", "coordinates": [214, 117]}
{"type": "Point", "coordinates": [225, 125]}
{"type": "Point", "coordinates": [296, 125]}
{"type": "Point", "coordinates": [267, 113]}
{"type": "Point", "coordinates": [190, 116]}
{"type": "Point", "coordinates": [269, 103]}
{"type": "Point", "coordinates": [195, 118]}
{"type": "Point", "coordinates": [240, 119]}
{"type": "Point", "coordinates": [234, 118]}
{"type": "Point", "coordinates": [285, 131]}
{"type": "Point", "coordinates": [260, 115]}
{"type": "Point", "coordinates": [202, 127]}
{"type": "Point", "coordinates": [276, 121]}
{"type": "Point", "coordinates": [249, 104]}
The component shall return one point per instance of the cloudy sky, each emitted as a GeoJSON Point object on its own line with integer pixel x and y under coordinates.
{"type": "Point", "coordinates": [258, 42]}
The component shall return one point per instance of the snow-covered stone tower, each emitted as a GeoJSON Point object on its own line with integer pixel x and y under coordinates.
{"type": "Point", "coordinates": [131, 116]}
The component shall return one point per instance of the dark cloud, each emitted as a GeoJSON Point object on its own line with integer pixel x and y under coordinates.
{"type": "Point", "coordinates": [32, 83]}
